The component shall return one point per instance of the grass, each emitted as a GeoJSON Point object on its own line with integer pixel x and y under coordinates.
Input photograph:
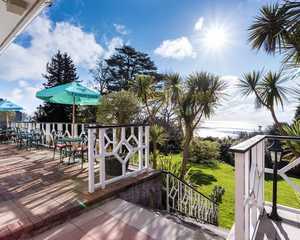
{"type": "Point", "coordinates": [206, 177]}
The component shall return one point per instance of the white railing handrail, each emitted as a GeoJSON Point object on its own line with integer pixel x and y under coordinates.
{"type": "Point", "coordinates": [249, 182]}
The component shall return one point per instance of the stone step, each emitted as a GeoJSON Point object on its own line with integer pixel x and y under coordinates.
{"type": "Point", "coordinates": [118, 219]}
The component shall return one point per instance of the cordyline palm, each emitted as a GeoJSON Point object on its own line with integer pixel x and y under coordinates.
{"type": "Point", "coordinates": [144, 86]}
{"type": "Point", "coordinates": [277, 29]}
{"type": "Point", "coordinates": [267, 90]}
{"type": "Point", "coordinates": [172, 90]}
{"type": "Point", "coordinates": [201, 95]}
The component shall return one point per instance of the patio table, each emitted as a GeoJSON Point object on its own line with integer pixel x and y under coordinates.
{"type": "Point", "coordinates": [72, 140]}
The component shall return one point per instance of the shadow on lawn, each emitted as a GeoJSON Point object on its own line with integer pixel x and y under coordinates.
{"type": "Point", "coordinates": [200, 178]}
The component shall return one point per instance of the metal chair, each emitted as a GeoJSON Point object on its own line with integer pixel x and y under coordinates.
{"type": "Point", "coordinates": [81, 149]}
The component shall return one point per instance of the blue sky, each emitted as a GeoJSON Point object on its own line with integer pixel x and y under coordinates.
{"type": "Point", "coordinates": [166, 30]}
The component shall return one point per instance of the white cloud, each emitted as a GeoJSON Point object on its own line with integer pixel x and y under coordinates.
{"type": "Point", "coordinates": [178, 48]}
{"type": "Point", "coordinates": [19, 62]}
{"type": "Point", "coordinates": [114, 43]}
{"type": "Point", "coordinates": [199, 24]}
{"type": "Point", "coordinates": [22, 66]}
{"type": "Point", "coordinates": [120, 29]}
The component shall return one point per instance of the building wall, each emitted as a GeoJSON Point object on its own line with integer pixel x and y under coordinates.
{"type": "Point", "coordinates": [147, 193]}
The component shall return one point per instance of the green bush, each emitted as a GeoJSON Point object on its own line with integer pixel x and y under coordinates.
{"type": "Point", "coordinates": [217, 194]}
{"type": "Point", "coordinates": [172, 165]}
{"type": "Point", "coordinates": [204, 151]}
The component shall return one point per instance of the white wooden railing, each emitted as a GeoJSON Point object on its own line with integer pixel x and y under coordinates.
{"type": "Point", "coordinates": [249, 184]}
{"type": "Point", "coordinates": [50, 129]}
{"type": "Point", "coordinates": [127, 146]}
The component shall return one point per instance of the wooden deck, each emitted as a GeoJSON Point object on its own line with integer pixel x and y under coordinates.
{"type": "Point", "coordinates": [36, 191]}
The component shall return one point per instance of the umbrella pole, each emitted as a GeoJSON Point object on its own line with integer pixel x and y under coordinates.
{"type": "Point", "coordinates": [73, 116]}
{"type": "Point", "coordinates": [7, 120]}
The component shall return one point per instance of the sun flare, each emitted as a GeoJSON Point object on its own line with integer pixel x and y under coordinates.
{"type": "Point", "coordinates": [215, 38]}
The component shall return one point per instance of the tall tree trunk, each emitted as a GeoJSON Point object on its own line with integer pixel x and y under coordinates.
{"type": "Point", "coordinates": [277, 123]}
{"type": "Point", "coordinates": [186, 151]}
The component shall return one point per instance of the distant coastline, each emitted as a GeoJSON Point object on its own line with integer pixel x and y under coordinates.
{"type": "Point", "coordinates": [224, 129]}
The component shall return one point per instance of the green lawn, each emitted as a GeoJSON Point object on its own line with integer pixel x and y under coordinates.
{"type": "Point", "coordinates": [223, 174]}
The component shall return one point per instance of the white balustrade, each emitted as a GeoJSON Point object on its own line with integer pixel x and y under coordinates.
{"type": "Point", "coordinates": [49, 130]}
{"type": "Point", "coordinates": [249, 183]}
{"type": "Point", "coordinates": [119, 145]}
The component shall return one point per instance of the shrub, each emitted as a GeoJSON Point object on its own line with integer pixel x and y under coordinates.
{"type": "Point", "coordinates": [172, 165]}
{"type": "Point", "coordinates": [225, 154]}
{"type": "Point", "coordinates": [204, 151]}
{"type": "Point", "coordinates": [217, 194]}
{"type": "Point", "coordinates": [173, 136]}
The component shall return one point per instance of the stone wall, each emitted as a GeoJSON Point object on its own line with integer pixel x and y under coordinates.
{"type": "Point", "coordinates": [147, 192]}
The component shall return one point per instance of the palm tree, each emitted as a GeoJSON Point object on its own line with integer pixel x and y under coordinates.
{"type": "Point", "coordinates": [267, 89]}
{"type": "Point", "coordinates": [172, 90]}
{"type": "Point", "coordinates": [277, 29]}
{"type": "Point", "coordinates": [144, 86]}
{"type": "Point", "coordinates": [199, 97]}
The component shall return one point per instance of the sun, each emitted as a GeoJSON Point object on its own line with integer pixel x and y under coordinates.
{"type": "Point", "coordinates": [215, 38]}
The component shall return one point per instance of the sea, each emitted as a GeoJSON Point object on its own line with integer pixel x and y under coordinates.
{"type": "Point", "coordinates": [223, 129]}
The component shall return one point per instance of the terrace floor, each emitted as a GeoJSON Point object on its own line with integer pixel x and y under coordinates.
{"type": "Point", "coordinates": [36, 190]}
{"type": "Point", "coordinates": [287, 229]}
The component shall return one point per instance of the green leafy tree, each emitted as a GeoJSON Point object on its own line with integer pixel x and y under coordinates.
{"type": "Point", "coordinates": [277, 29]}
{"type": "Point", "coordinates": [292, 147]}
{"type": "Point", "coordinates": [59, 70]}
{"type": "Point", "coordinates": [268, 90]}
{"type": "Point", "coordinates": [200, 95]}
{"type": "Point", "coordinates": [100, 76]}
{"type": "Point", "coordinates": [145, 88]}
{"type": "Point", "coordinates": [118, 108]}
{"type": "Point", "coordinates": [122, 67]}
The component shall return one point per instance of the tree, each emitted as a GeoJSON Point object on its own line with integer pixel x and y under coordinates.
{"type": "Point", "coordinates": [145, 88]}
{"type": "Point", "coordinates": [101, 76]}
{"type": "Point", "coordinates": [277, 29]}
{"type": "Point", "coordinates": [199, 97]}
{"type": "Point", "coordinates": [124, 65]}
{"type": "Point", "coordinates": [268, 90]}
{"type": "Point", "coordinates": [59, 70]}
{"type": "Point", "coordinates": [118, 108]}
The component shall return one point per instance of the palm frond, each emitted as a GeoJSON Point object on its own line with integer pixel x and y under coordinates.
{"type": "Point", "coordinates": [273, 93]}
{"type": "Point", "coordinates": [268, 30]}
{"type": "Point", "coordinates": [249, 82]}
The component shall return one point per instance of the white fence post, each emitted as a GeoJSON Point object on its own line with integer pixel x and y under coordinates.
{"type": "Point", "coordinates": [140, 146]}
{"type": "Point", "coordinates": [75, 127]}
{"type": "Point", "coordinates": [102, 157]}
{"type": "Point", "coordinates": [60, 128]}
{"type": "Point", "coordinates": [48, 137]}
{"type": "Point", "coordinates": [240, 196]}
{"type": "Point", "coordinates": [91, 159]}
{"type": "Point", "coordinates": [147, 143]}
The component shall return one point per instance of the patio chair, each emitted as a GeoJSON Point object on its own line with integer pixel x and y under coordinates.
{"type": "Point", "coordinates": [35, 139]}
{"type": "Point", "coordinates": [80, 149]}
{"type": "Point", "coordinates": [59, 144]}
{"type": "Point", "coordinates": [3, 136]}
{"type": "Point", "coordinates": [21, 138]}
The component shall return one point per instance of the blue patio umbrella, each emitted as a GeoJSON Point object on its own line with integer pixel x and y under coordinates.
{"type": "Point", "coordinates": [72, 93]}
{"type": "Point", "coordinates": [8, 106]}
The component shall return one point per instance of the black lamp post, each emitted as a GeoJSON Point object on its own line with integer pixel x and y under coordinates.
{"type": "Point", "coordinates": [276, 152]}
